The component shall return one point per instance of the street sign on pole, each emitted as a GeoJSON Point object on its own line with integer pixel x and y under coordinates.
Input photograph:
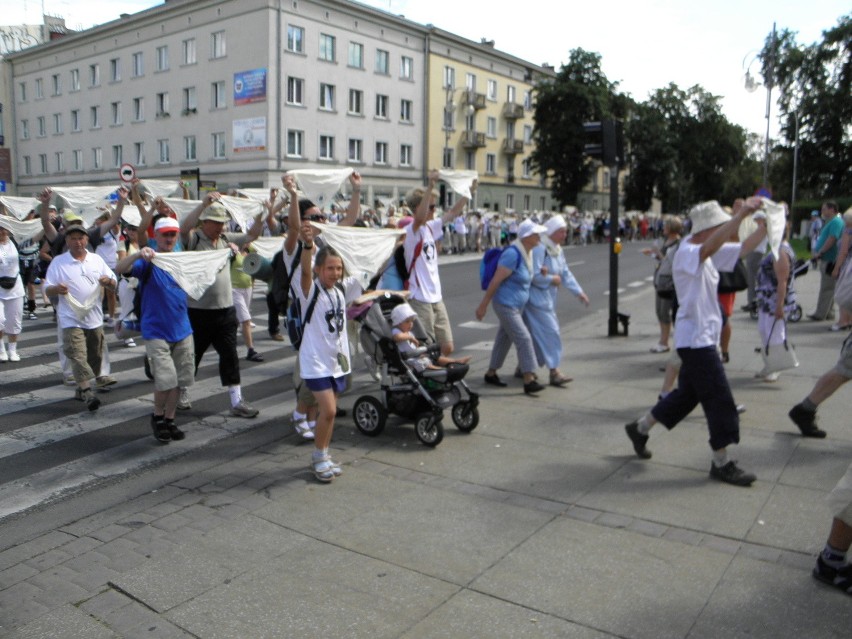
{"type": "Point", "coordinates": [127, 172]}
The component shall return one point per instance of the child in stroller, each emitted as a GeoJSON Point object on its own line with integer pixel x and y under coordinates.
{"type": "Point", "coordinates": [415, 382]}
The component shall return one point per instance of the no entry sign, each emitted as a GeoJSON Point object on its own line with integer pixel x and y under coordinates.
{"type": "Point", "coordinates": [127, 172]}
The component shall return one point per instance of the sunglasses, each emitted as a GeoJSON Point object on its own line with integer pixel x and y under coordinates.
{"type": "Point", "coordinates": [317, 218]}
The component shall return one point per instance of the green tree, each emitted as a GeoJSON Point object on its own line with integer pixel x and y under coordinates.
{"type": "Point", "coordinates": [580, 92]}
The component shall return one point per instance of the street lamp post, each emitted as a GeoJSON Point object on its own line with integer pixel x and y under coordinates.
{"type": "Point", "coordinates": [751, 85]}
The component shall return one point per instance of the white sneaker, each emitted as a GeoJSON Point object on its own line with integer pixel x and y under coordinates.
{"type": "Point", "coordinates": [183, 400]}
{"type": "Point", "coordinates": [772, 377]}
{"type": "Point", "coordinates": [108, 321]}
{"type": "Point", "coordinates": [3, 356]}
{"type": "Point", "coordinates": [129, 343]}
{"type": "Point", "coordinates": [660, 348]}
{"type": "Point", "coordinates": [14, 357]}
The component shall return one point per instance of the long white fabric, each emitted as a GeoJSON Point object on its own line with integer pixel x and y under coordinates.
{"type": "Point", "coordinates": [364, 250]}
{"type": "Point", "coordinates": [261, 195]}
{"type": "Point", "coordinates": [320, 185]}
{"type": "Point", "coordinates": [459, 181]}
{"type": "Point", "coordinates": [242, 210]}
{"type": "Point", "coordinates": [19, 206]}
{"type": "Point", "coordinates": [181, 207]}
{"type": "Point", "coordinates": [162, 188]}
{"type": "Point", "coordinates": [776, 223]}
{"type": "Point", "coordinates": [194, 271]}
{"type": "Point", "coordinates": [82, 308]}
{"type": "Point", "coordinates": [21, 231]}
{"type": "Point", "coordinates": [85, 200]}
{"type": "Point", "coordinates": [267, 247]}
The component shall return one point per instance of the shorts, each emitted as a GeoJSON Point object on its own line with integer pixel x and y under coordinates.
{"type": "Point", "coordinates": [844, 364]}
{"type": "Point", "coordinates": [242, 303]}
{"type": "Point", "coordinates": [726, 303]}
{"type": "Point", "coordinates": [664, 307]}
{"type": "Point", "coordinates": [337, 384]}
{"type": "Point", "coordinates": [840, 498]}
{"type": "Point", "coordinates": [435, 320]}
{"type": "Point", "coordinates": [304, 395]}
{"type": "Point", "coordinates": [172, 363]}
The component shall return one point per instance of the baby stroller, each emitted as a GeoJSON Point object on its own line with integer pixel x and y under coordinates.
{"type": "Point", "coordinates": [800, 267]}
{"type": "Point", "coordinates": [421, 396]}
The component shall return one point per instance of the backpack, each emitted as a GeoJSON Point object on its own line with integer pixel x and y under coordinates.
{"type": "Point", "coordinates": [281, 278]}
{"type": "Point", "coordinates": [296, 322]}
{"type": "Point", "coordinates": [489, 263]}
{"type": "Point", "coordinates": [663, 278]}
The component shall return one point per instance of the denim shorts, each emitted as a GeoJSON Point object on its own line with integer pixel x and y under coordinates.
{"type": "Point", "coordinates": [337, 384]}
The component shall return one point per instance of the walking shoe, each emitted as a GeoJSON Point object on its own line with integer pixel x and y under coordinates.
{"type": "Point", "coordinates": [14, 357]}
{"type": "Point", "coordinates": [161, 431]}
{"type": "Point", "coordinates": [340, 412]}
{"type": "Point", "coordinates": [494, 380]}
{"type": "Point", "coordinates": [254, 356]}
{"type": "Point", "coordinates": [660, 348]}
{"type": "Point", "coordinates": [303, 429]}
{"type": "Point", "coordinates": [129, 343]}
{"type": "Point", "coordinates": [806, 421]}
{"type": "Point", "coordinates": [32, 316]}
{"type": "Point", "coordinates": [639, 440]}
{"type": "Point", "coordinates": [840, 578]}
{"type": "Point", "coordinates": [92, 402]}
{"type": "Point", "coordinates": [105, 380]}
{"type": "Point", "coordinates": [183, 400]}
{"type": "Point", "coordinates": [532, 387]}
{"type": "Point", "coordinates": [323, 469]}
{"type": "Point", "coordinates": [276, 337]}
{"type": "Point", "coordinates": [244, 409]}
{"type": "Point", "coordinates": [4, 357]}
{"type": "Point", "coordinates": [174, 432]}
{"type": "Point", "coordinates": [730, 473]}
{"type": "Point", "coordinates": [69, 381]}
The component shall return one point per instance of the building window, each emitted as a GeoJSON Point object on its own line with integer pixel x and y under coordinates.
{"type": "Point", "coordinates": [138, 109]}
{"type": "Point", "coordinates": [356, 150]}
{"type": "Point", "coordinates": [217, 94]}
{"type": "Point", "coordinates": [75, 79]}
{"type": "Point", "coordinates": [94, 75]}
{"type": "Point", "coordinates": [59, 159]}
{"type": "Point", "coordinates": [77, 155]}
{"type": "Point", "coordinates": [405, 155]}
{"type": "Point", "coordinates": [139, 153]}
{"type": "Point", "coordinates": [137, 62]}
{"type": "Point", "coordinates": [470, 82]}
{"type": "Point", "coordinates": [527, 202]}
{"type": "Point", "coordinates": [382, 106]}
{"type": "Point", "coordinates": [95, 114]}
{"type": "Point", "coordinates": [117, 153]}
{"type": "Point", "coordinates": [42, 162]}
{"type": "Point", "coordinates": [382, 62]}
{"type": "Point", "coordinates": [295, 88]}
{"type": "Point", "coordinates": [218, 146]}
{"type": "Point", "coordinates": [295, 140]}
{"type": "Point", "coordinates": [189, 148]}
{"type": "Point", "coordinates": [470, 161]}
{"type": "Point", "coordinates": [115, 112]}
{"type": "Point", "coordinates": [190, 100]}
{"type": "Point", "coordinates": [326, 147]}
{"type": "Point", "coordinates": [217, 44]}
{"type": "Point", "coordinates": [356, 55]}
{"type": "Point", "coordinates": [327, 47]}
{"type": "Point", "coordinates": [163, 148]}
{"type": "Point", "coordinates": [490, 163]}
{"type": "Point", "coordinates": [163, 58]}
{"type": "Point", "coordinates": [41, 127]}
{"type": "Point", "coordinates": [25, 129]}
{"type": "Point", "coordinates": [28, 169]}
{"type": "Point", "coordinates": [22, 91]}
{"type": "Point", "coordinates": [405, 110]}
{"type": "Point", "coordinates": [470, 122]}
{"type": "Point", "coordinates": [162, 104]}
{"type": "Point", "coordinates": [449, 78]}
{"type": "Point", "coordinates": [97, 158]}
{"type": "Point", "coordinates": [295, 39]}
{"type": "Point", "coordinates": [75, 120]}
{"type": "Point", "coordinates": [187, 51]}
{"type": "Point", "coordinates": [449, 118]}
{"type": "Point", "coordinates": [381, 152]}
{"type": "Point", "coordinates": [491, 127]}
{"type": "Point", "coordinates": [448, 159]}
{"type": "Point", "coordinates": [406, 68]}
{"type": "Point", "coordinates": [510, 201]}
{"type": "Point", "coordinates": [528, 101]}
{"type": "Point", "coordinates": [525, 169]}
{"type": "Point", "coordinates": [326, 97]}
{"type": "Point", "coordinates": [56, 83]}
{"type": "Point", "coordinates": [491, 91]}
{"type": "Point", "coordinates": [57, 123]}
{"type": "Point", "coordinates": [510, 94]}
{"type": "Point", "coordinates": [527, 134]}
{"type": "Point", "coordinates": [356, 102]}
{"type": "Point", "coordinates": [115, 70]}
{"type": "Point", "coordinates": [39, 88]}
{"type": "Point", "coordinates": [510, 129]}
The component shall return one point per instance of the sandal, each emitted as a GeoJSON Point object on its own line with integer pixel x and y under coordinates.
{"type": "Point", "coordinates": [323, 469]}
{"type": "Point", "coordinates": [560, 380]}
{"type": "Point", "coordinates": [303, 429]}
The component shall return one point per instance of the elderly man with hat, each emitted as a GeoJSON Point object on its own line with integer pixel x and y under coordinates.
{"type": "Point", "coordinates": [699, 322]}
{"type": "Point", "coordinates": [213, 316]}
{"type": "Point", "coordinates": [165, 326]}
{"type": "Point", "coordinates": [76, 278]}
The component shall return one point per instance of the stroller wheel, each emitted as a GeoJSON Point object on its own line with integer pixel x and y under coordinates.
{"type": "Point", "coordinates": [370, 416]}
{"type": "Point", "coordinates": [795, 314]}
{"type": "Point", "coordinates": [429, 429]}
{"type": "Point", "coordinates": [465, 416]}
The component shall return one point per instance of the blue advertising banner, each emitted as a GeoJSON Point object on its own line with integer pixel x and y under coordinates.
{"type": "Point", "coordinates": [250, 86]}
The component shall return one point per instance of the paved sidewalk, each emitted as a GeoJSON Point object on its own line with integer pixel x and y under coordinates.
{"type": "Point", "coordinates": [540, 523]}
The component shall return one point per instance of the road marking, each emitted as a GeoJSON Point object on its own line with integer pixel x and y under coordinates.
{"type": "Point", "coordinates": [480, 346]}
{"type": "Point", "coordinates": [621, 290]}
{"type": "Point", "coordinates": [480, 325]}
{"type": "Point", "coordinates": [635, 284]}
{"type": "Point", "coordinates": [576, 263]}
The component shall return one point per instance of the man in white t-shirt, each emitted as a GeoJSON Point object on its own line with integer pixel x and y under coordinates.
{"type": "Point", "coordinates": [421, 259]}
{"type": "Point", "coordinates": [696, 268]}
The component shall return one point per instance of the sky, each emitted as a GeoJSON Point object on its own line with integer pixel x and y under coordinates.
{"type": "Point", "coordinates": [644, 45]}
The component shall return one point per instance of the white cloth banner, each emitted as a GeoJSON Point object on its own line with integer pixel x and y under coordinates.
{"type": "Point", "coordinates": [267, 247]}
{"type": "Point", "coordinates": [181, 207]}
{"type": "Point", "coordinates": [364, 250]}
{"type": "Point", "coordinates": [262, 195]}
{"type": "Point", "coordinates": [20, 207]}
{"type": "Point", "coordinates": [776, 225]}
{"type": "Point", "coordinates": [85, 200]}
{"type": "Point", "coordinates": [21, 231]}
{"type": "Point", "coordinates": [81, 309]}
{"type": "Point", "coordinates": [194, 271]}
{"type": "Point", "coordinates": [459, 181]}
{"type": "Point", "coordinates": [162, 188]}
{"type": "Point", "coordinates": [242, 210]}
{"type": "Point", "coordinates": [320, 185]}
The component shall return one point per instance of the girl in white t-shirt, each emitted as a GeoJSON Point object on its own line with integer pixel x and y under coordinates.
{"type": "Point", "coordinates": [324, 351]}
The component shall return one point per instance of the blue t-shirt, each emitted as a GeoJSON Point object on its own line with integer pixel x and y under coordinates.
{"type": "Point", "coordinates": [514, 291]}
{"type": "Point", "coordinates": [834, 227]}
{"type": "Point", "coordinates": [164, 314]}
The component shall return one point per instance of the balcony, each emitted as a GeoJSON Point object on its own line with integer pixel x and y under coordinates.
{"type": "Point", "coordinates": [474, 99]}
{"type": "Point", "coordinates": [473, 140]}
{"type": "Point", "coordinates": [512, 146]}
{"type": "Point", "coordinates": [512, 111]}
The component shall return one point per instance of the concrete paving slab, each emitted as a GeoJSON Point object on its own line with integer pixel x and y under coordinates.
{"type": "Point", "coordinates": [817, 464]}
{"type": "Point", "coordinates": [65, 621]}
{"type": "Point", "coordinates": [793, 519]}
{"type": "Point", "coordinates": [315, 590]}
{"type": "Point", "coordinates": [760, 600]}
{"type": "Point", "coordinates": [473, 615]}
{"type": "Point", "coordinates": [616, 581]}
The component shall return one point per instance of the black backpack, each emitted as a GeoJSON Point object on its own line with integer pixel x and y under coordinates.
{"type": "Point", "coordinates": [281, 278]}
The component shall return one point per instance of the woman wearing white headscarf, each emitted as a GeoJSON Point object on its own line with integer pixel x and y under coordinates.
{"type": "Point", "coordinates": [550, 270]}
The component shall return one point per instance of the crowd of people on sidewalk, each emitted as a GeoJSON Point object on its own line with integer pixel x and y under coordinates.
{"type": "Point", "coordinates": [177, 280]}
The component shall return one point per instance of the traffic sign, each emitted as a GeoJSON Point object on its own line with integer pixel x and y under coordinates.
{"type": "Point", "coordinates": [127, 172]}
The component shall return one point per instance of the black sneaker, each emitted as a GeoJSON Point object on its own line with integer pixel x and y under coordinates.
{"type": "Point", "coordinates": [254, 356]}
{"type": "Point", "coordinates": [161, 431]}
{"type": "Point", "coordinates": [730, 473]}
{"type": "Point", "coordinates": [840, 578]}
{"type": "Point", "coordinates": [92, 402]}
{"type": "Point", "coordinates": [806, 421]}
{"type": "Point", "coordinates": [639, 440]}
{"type": "Point", "coordinates": [174, 432]}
